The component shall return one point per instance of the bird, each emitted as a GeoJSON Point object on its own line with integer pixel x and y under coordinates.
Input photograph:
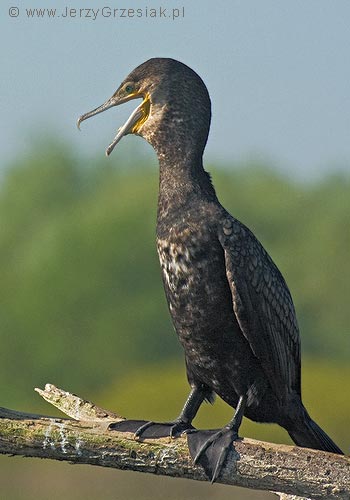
{"type": "Point", "coordinates": [229, 303]}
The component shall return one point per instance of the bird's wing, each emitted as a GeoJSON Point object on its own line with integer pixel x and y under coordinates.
{"type": "Point", "coordinates": [263, 306]}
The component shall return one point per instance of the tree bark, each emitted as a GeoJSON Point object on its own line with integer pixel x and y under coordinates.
{"type": "Point", "coordinates": [84, 438]}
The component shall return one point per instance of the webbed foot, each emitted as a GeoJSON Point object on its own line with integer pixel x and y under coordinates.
{"type": "Point", "coordinates": [210, 449]}
{"type": "Point", "coordinates": [148, 429]}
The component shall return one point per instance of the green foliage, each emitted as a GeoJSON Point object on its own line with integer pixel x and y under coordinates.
{"type": "Point", "coordinates": [81, 300]}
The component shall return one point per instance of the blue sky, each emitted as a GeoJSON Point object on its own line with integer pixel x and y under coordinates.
{"type": "Point", "coordinates": [278, 73]}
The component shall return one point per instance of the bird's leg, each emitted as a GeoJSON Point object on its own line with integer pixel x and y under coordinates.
{"type": "Point", "coordinates": [175, 428]}
{"type": "Point", "coordinates": [189, 411]}
{"type": "Point", "coordinates": [210, 448]}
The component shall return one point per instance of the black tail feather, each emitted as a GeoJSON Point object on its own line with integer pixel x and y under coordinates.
{"type": "Point", "coordinates": [310, 435]}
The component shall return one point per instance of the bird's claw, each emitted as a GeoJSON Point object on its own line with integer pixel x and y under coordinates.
{"type": "Point", "coordinates": [180, 428]}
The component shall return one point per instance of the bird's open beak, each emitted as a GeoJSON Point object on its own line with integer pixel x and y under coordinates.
{"type": "Point", "coordinates": [132, 124]}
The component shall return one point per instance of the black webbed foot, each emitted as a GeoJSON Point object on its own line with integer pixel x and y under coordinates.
{"type": "Point", "coordinates": [127, 425]}
{"type": "Point", "coordinates": [210, 449]}
{"type": "Point", "coordinates": [173, 429]}
{"type": "Point", "coordinates": [148, 429]}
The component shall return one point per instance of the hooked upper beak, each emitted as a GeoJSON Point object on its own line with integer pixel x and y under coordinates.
{"type": "Point", "coordinates": [129, 125]}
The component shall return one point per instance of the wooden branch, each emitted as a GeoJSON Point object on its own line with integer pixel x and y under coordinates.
{"type": "Point", "coordinates": [87, 440]}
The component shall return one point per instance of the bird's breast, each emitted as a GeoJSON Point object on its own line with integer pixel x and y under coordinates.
{"type": "Point", "coordinates": [194, 277]}
{"type": "Point", "coordinates": [187, 260]}
{"type": "Point", "coordinates": [179, 266]}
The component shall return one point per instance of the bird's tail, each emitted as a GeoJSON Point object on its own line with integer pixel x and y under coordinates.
{"type": "Point", "coordinates": [308, 434]}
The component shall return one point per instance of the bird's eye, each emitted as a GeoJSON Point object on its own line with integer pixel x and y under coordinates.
{"type": "Point", "coordinates": [129, 88]}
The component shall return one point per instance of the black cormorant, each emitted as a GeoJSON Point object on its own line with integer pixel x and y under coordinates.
{"type": "Point", "coordinates": [229, 303]}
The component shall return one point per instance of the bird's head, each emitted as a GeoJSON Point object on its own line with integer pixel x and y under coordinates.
{"type": "Point", "coordinates": [175, 107]}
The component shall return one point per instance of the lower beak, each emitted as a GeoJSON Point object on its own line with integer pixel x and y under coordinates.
{"type": "Point", "coordinates": [128, 126]}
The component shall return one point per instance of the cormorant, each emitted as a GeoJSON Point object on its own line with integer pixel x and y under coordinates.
{"type": "Point", "coordinates": [229, 303]}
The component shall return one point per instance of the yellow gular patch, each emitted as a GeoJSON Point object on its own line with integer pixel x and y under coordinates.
{"type": "Point", "coordinates": [145, 108]}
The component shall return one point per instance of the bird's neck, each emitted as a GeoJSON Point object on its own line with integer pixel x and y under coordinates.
{"type": "Point", "coordinates": [183, 183]}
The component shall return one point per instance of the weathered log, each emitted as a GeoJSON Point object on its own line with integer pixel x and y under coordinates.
{"type": "Point", "coordinates": [84, 438]}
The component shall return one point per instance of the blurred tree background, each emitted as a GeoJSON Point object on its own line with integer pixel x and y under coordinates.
{"type": "Point", "coordinates": [82, 305]}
